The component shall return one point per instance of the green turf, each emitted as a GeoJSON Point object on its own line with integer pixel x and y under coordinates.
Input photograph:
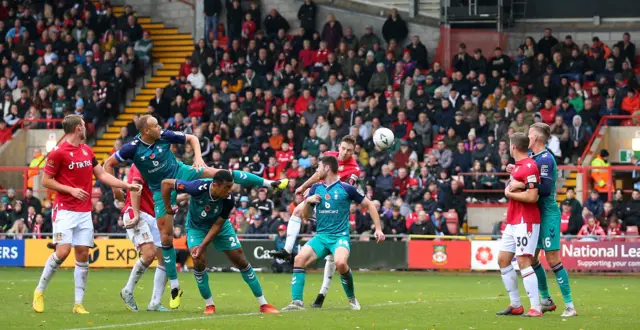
{"type": "Point", "coordinates": [389, 301]}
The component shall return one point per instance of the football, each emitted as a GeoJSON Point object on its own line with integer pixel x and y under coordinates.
{"type": "Point", "coordinates": [383, 138]}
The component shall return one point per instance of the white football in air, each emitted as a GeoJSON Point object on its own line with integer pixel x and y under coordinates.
{"type": "Point", "coordinates": [383, 138]}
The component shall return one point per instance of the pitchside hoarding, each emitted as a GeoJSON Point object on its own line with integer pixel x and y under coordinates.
{"type": "Point", "coordinates": [576, 255]}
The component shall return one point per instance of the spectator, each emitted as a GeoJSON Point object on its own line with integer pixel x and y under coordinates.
{"type": "Point", "coordinates": [307, 16]}
{"type": "Point", "coordinates": [143, 48]}
{"type": "Point", "coordinates": [18, 229]}
{"type": "Point", "coordinates": [180, 244]}
{"type": "Point", "coordinates": [273, 23]}
{"type": "Point", "coordinates": [394, 28]}
{"type": "Point", "coordinates": [418, 52]}
{"type": "Point", "coordinates": [395, 224]}
{"type": "Point", "coordinates": [422, 226]}
{"type": "Point", "coordinates": [577, 138]}
{"type": "Point", "coordinates": [258, 227]}
{"type": "Point", "coordinates": [591, 231]}
{"type": "Point", "coordinates": [438, 224]}
{"type": "Point", "coordinates": [279, 265]}
{"type": "Point", "coordinates": [547, 43]}
{"type": "Point", "coordinates": [630, 213]}
{"type": "Point", "coordinates": [332, 32]}
{"type": "Point", "coordinates": [234, 20]}
{"type": "Point", "coordinates": [595, 204]}
{"type": "Point", "coordinates": [570, 222]}
{"type": "Point", "coordinates": [212, 9]}
{"type": "Point", "coordinates": [443, 155]}
{"type": "Point", "coordinates": [6, 133]}
{"type": "Point", "coordinates": [600, 176]}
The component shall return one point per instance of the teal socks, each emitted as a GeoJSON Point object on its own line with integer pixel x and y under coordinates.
{"type": "Point", "coordinates": [169, 256]}
{"type": "Point", "coordinates": [297, 283]}
{"type": "Point", "coordinates": [563, 282]}
{"type": "Point", "coordinates": [247, 179]}
{"type": "Point", "coordinates": [202, 280]}
{"type": "Point", "coordinates": [249, 276]}
{"type": "Point", "coordinates": [347, 284]}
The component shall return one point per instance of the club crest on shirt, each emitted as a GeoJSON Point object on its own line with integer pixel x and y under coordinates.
{"type": "Point", "coordinates": [71, 153]}
{"type": "Point", "coordinates": [341, 168]}
{"type": "Point", "coordinates": [84, 152]}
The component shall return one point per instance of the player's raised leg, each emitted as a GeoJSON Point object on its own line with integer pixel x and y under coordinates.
{"type": "Point", "coordinates": [329, 270]}
{"type": "Point", "coordinates": [341, 256]}
{"type": "Point", "coordinates": [306, 257]}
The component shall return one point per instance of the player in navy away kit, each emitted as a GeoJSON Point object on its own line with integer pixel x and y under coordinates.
{"type": "Point", "coordinates": [151, 152]}
{"type": "Point", "coordinates": [208, 222]}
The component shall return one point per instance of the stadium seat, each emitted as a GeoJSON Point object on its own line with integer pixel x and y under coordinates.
{"type": "Point", "coordinates": [452, 221]}
{"type": "Point", "coordinates": [438, 137]}
{"type": "Point", "coordinates": [588, 85]}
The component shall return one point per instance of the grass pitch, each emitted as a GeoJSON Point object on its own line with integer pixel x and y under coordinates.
{"type": "Point", "coordinates": [390, 300]}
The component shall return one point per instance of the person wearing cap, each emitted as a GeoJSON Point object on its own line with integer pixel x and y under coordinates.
{"type": "Point", "coordinates": [258, 228]}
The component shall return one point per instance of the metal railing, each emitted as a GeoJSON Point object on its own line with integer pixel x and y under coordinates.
{"type": "Point", "coordinates": [596, 133]}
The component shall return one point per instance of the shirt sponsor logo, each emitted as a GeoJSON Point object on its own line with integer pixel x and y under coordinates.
{"type": "Point", "coordinates": [544, 170]}
{"type": "Point", "coordinates": [82, 164]}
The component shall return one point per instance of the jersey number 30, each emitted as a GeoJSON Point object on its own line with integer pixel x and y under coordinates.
{"type": "Point", "coordinates": [522, 241]}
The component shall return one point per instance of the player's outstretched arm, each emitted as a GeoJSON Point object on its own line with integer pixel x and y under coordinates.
{"type": "Point", "coordinates": [135, 206]}
{"type": "Point", "coordinates": [198, 162]}
{"type": "Point", "coordinates": [307, 184]}
{"type": "Point", "coordinates": [50, 183]}
{"type": "Point", "coordinates": [166, 188]}
{"type": "Point", "coordinates": [108, 167]}
{"type": "Point", "coordinates": [112, 181]}
{"type": "Point", "coordinates": [375, 216]}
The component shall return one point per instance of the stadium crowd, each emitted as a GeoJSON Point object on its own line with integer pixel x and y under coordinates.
{"type": "Point", "coordinates": [271, 103]}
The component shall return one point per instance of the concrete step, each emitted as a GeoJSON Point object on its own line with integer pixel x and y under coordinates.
{"type": "Point", "coordinates": [148, 91]}
{"type": "Point", "coordinates": [113, 129]}
{"type": "Point", "coordinates": [173, 54]}
{"type": "Point", "coordinates": [135, 110]}
{"type": "Point", "coordinates": [121, 123]}
{"type": "Point", "coordinates": [149, 26]}
{"type": "Point", "coordinates": [110, 136]}
{"type": "Point", "coordinates": [139, 104]}
{"type": "Point", "coordinates": [171, 67]}
{"type": "Point", "coordinates": [188, 48]}
{"type": "Point", "coordinates": [174, 36]}
{"type": "Point", "coordinates": [179, 42]}
{"type": "Point", "coordinates": [167, 73]}
{"type": "Point", "coordinates": [162, 79]}
{"type": "Point", "coordinates": [144, 97]}
{"type": "Point", "coordinates": [163, 31]}
{"type": "Point", "coordinates": [126, 116]}
{"type": "Point", "coordinates": [172, 60]}
{"type": "Point", "coordinates": [104, 143]}
{"type": "Point", "coordinates": [102, 149]}
{"type": "Point", "coordinates": [155, 85]}
{"type": "Point", "coordinates": [570, 183]}
{"type": "Point", "coordinates": [144, 20]}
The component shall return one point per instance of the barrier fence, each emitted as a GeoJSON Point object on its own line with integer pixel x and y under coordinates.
{"type": "Point", "coordinates": [415, 252]}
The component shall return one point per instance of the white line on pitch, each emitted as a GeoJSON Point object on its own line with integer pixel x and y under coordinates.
{"type": "Point", "coordinates": [195, 318]}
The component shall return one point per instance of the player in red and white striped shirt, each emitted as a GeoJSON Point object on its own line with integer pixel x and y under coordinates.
{"type": "Point", "coordinates": [520, 237]}
{"type": "Point", "coordinates": [69, 171]}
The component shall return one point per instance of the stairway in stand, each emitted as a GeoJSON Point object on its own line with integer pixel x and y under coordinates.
{"type": "Point", "coordinates": [170, 47]}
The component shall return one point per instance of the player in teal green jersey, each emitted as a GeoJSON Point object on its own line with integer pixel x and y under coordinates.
{"type": "Point", "coordinates": [151, 152]}
{"type": "Point", "coordinates": [208, 221]}
{"type": "Point", "coordinates": [331, 200]}
{"type": "Point", "coordinates": [549, 238]}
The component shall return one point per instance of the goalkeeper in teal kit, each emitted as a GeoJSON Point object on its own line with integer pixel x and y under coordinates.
{"type": "Point", "coordinates": [151, 152]}
{"type": "Point", "coordinates": [208, 222]}
{"type": "Point", "coordinates": [331, 200]}
{"type": "Point", "coordinates": [549, 238]}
